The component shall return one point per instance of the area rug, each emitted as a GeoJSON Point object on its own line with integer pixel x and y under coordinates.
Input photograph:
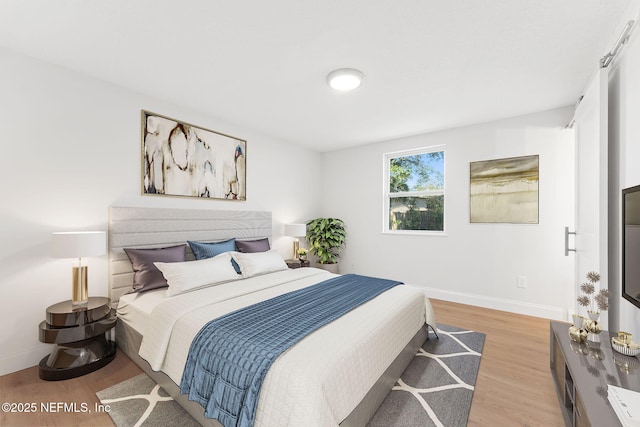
{"type": "Point", "coordinates": [140, 402]}
{"type": "Point", "coordinates": [435, 389]}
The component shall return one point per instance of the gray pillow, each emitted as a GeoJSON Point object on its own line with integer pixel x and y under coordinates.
{"type": "Point", "coordinates": [249, 246]}
{"type": "Point", "coordinates": [146, 276]}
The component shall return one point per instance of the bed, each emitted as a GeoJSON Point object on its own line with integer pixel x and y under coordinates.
{"type": "Point", "coordinates": [338, 375]}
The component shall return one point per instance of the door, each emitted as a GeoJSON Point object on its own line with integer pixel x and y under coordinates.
{"type": "Point", "coordinates": [591, 127]}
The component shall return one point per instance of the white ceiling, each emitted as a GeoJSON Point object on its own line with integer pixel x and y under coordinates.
{"type": "Point", "coordinates": [429, 65]}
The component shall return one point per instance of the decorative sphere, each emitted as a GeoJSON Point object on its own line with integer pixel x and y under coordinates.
{"type": "Point", "coordinates": [577, 334]}
{"type": "Point", "coordinates": [592, 326]}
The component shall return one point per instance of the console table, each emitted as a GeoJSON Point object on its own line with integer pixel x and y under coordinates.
{"type": "Point", "coordinates": [79, 334]}
{"type": "Point", "coordinates": [582, 371]}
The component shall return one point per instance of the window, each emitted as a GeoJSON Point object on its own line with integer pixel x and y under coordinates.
{"type": "Point", "coordinates": [414, 191]}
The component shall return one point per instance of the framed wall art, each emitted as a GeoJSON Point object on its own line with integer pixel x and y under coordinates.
{"type": "Point", "coordinates": [504, 190]}
{"type": "Point", "coordinates": [181, 159]}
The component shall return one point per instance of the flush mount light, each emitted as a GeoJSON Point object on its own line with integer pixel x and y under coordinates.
{"type": "Point", "coordinates": [345, 79]}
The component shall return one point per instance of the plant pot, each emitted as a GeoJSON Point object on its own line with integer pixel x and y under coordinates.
{"type": "Point", "coordinates": [593, 337]}
{"type": "Point", "coordinates": [578, 321]}
{"type": "Point", "coordinates": [332, 268]}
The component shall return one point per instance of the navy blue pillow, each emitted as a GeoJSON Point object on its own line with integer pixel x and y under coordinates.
{"type": "Point", "coordinates": [203, 250]}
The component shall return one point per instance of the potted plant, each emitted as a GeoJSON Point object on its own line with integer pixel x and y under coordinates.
{"type": "Point", "coordinates": [326, 238]}
{"type": "Point", "coordinates": [595, 301]}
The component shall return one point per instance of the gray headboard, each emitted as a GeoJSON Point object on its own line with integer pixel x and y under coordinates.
{"type": "Point", "coordinates": [131, 227]}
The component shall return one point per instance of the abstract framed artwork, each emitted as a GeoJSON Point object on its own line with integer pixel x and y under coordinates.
{"type": "Point", "coordinates": [504, 190]}
{"type": "Point", "coordinates": [180, 159]}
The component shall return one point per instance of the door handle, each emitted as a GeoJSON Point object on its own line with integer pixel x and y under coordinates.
{"type": "Point", "coordinates": [566, 241]}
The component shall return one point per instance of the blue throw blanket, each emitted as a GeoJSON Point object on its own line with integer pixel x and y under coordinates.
{"type": "Point", "coordinates": [231, 355]}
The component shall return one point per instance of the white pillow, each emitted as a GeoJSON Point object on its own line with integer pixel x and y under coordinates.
{"type": "Point", "coordinates": [185, 276]}
{"type": "Point", "coordinates": [254, 263]}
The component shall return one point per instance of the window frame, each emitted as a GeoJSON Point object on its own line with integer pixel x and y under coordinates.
{"type": "Point", "coordinates": [388, 195]}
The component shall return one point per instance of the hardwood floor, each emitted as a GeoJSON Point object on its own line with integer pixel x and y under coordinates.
{"type": "Point", "coordinates": [24, 387]}
{"type": "Point", "coordinates": [514, 386]}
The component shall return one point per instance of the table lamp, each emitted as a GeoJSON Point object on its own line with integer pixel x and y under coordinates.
{"type": "Point", "coordinates": [295, 230]}
{"type": "Point", "coordinates": [79, 244]}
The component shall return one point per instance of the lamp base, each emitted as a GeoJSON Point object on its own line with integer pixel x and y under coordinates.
{"type": "Point", "coordinates": [79, 290]}
{"type": "Point", "coordinates": [296, 246]}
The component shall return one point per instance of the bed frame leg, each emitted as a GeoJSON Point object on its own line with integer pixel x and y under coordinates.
{"type": "Point", "coordinates": [433, 329]}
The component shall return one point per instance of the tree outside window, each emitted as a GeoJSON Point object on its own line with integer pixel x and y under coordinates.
{"type": "Point", "coordinates": [414, 190]}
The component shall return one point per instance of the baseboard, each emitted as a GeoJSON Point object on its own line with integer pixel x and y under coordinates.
{"type": "Point", "coordinates": [519, 307]}
{"type": "Point", "coordinates": [25, 359]}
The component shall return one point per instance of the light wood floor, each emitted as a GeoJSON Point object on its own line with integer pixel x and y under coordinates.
{"type": "Point", "coordinates": [514, 386]}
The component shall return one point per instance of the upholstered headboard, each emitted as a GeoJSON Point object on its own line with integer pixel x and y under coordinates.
{"type": "Point", "coordinates": [131, 227]}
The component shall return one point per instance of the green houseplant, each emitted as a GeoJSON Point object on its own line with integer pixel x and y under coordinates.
{"type": "Point", "coordinates": [326, 238]}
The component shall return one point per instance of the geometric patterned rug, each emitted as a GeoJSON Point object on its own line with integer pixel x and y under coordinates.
{"type": "Point", "coordinates": [139, 402]}
{"type": "Point", "coordinates": [435, 389]}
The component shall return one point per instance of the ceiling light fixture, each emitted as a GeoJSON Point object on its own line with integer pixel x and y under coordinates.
{"type": "Point", "coordinates": [345, 79]}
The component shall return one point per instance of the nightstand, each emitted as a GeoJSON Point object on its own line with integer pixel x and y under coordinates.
{"type": "Point", "coordinates": [80, 338]}
{"type": "Point", "coordinates": [296, 263]}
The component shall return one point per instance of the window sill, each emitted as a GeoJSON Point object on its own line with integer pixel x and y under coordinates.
{"type": "Point", "coordinates": [415, 233]}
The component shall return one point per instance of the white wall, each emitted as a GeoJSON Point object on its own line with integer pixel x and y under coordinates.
{"type": "Point", "coordinates": [624, 141]}
{"type": "Point", "coordinates": [474, 263]}
{"type": "Point", "coordinates": [70, 149]}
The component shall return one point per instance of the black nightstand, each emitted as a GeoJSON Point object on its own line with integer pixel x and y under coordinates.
{"type": "Point", "coordinates": [79, 335]}
{"type": "Point", "coordinates": [296, 263]}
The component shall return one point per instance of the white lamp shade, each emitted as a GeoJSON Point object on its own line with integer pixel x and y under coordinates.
{"type": "Point", "coordinates": [79, 244]}
{"type": "Point", "coordinates": [295, 230]}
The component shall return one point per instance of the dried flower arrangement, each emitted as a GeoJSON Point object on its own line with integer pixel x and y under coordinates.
{"type": "Point", "coordinates": [592, 299]}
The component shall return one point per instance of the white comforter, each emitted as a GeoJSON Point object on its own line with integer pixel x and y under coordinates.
{"type": "Point", "coordinates": [321, 379]}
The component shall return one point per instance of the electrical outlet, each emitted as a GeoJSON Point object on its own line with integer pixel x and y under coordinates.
{"type": "Point", "coordinates": [522, 281]}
